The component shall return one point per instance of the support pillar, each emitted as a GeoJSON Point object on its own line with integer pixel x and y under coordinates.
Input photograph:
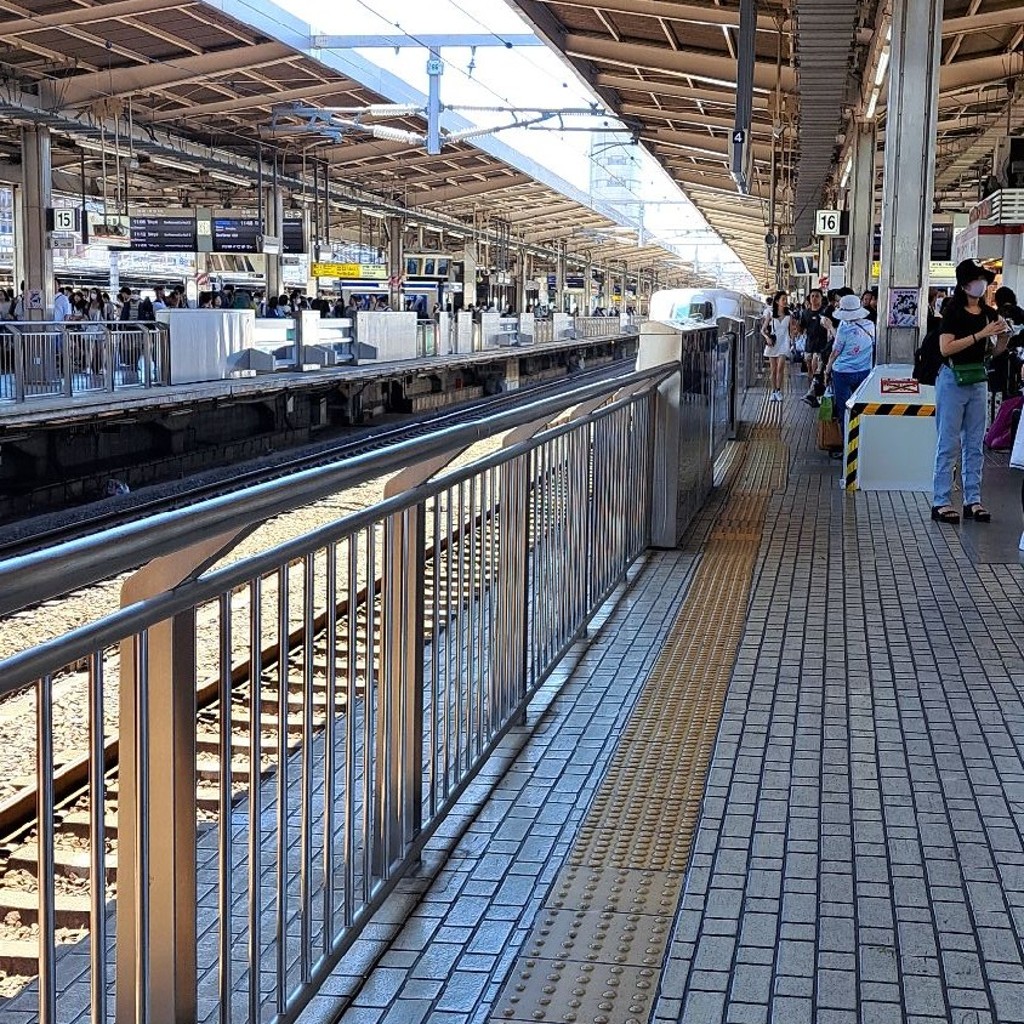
{"type": "Point", "coordinates": [588, 287]}
{"type": "Point", "coordinates": [521, 281]}
{"type": "Point", "coordinates": [36, 254]}
{"type": "Point", "coordinates": [396, 261]}
{"type": "Point", "coordinates": [273, 224]}
{"type": "Point", "coordinates": [560, 280]}
{"type": "Point", "coordinates": [469, 265]}
{"type": "Point", "coordinates": [908, 187]}
{"type": "Point", "coordinates": [861, 204]}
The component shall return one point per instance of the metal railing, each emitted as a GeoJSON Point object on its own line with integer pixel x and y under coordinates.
{"type": "Point", "coordinates": [383, 655]}
{"type": "Point", "coordinates": [597, 326]}
{"type": "Point", "coordinates": [47, 359]}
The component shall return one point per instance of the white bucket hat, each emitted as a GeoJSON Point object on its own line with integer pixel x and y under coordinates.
{"type": "Point", "coordinates": [849, 308]}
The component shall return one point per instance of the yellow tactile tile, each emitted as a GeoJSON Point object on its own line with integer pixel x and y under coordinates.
{"type": "Point", "coordinates": [600, 940]}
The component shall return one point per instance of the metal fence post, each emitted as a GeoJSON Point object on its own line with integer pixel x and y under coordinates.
{"type": "Point", "coordinates": [156, 814]}
{"type": "Point", "coordinates": [398, 768]}
{"type": "Point", "coordinates": [18, 342]}
{"type": "Point", "coordinates": [63, 339]}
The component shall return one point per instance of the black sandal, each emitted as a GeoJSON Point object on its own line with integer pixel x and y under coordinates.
{"type": "Point", "coordinates": [945, 514]}
{"type": "Point", "coordinates": [977, 512]}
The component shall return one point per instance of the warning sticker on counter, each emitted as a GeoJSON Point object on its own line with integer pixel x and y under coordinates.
{"type": "Point", "coordinates": [900, 386]}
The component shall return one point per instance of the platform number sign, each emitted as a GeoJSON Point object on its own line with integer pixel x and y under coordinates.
{"type": "Point", "coordinates": [65, 219]}
{"type": "Point", "coordinates": [828, 222]}
{"type": "Point", "coordinates": [739, 137]}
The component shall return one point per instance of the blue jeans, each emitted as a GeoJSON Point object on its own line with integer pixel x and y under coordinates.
{"type": "Point", "coordinates": [844, 385]}
{"type": "Point", "coordinates": [960, 425]}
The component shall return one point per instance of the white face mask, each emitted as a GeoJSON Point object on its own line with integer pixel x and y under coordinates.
{"type": "Point", "coordinates": [976, 289]}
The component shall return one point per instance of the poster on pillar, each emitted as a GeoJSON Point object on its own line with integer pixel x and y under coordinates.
{"type": "Point", "coordinates": [903, 303]}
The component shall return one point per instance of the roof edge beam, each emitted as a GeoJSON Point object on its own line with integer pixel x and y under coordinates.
{"type": "Point", "coordinates": [452, 193]}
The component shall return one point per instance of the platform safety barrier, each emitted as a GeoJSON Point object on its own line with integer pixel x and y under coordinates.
{"type": "Point", "coordinates": [384, 656]}
{"type": "Point", "coordinates": [72, 357]}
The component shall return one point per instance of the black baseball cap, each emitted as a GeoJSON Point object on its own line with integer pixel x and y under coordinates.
{"type": "Point", "coordinates": [972, 270]}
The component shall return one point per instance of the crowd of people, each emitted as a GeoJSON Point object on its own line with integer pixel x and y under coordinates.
{"type": "Point", "coordinates": [971, 343]}
{"type": "Point", "coordinates": [832, 338]}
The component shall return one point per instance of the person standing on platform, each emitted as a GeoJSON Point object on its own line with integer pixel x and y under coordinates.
{"type": "Point", "coordinates": [853, 352]}
{"type": "Point", "coordinates": [819, 330]}
{"type": "Point", "coordinates": [777, 344]}
{"type": "Point", "coordinates": [969, 327]}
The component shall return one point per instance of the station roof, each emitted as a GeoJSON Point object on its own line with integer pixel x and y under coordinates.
{"type": "Point", "coordinates": [670, 67]}
{"type": "Point", "coordinates": [186, 91]}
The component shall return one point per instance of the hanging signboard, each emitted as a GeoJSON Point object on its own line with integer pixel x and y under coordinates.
{"type": "Point", "coordinates": [352, 271]}
{"type": "Point", "coordinates": [163, 234]}
{"type": "Point", "coordinates": [112, 230]}
{"type": "Point", "coordinates": [828, 222]}
{"type": "Point", "coordinates": [236, 234]}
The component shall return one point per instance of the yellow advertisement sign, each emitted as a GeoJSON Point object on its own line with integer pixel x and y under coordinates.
{"type": "Point", "coordinates": [352, 271]}
{"type": "Point", "coordinates": [936, 269]}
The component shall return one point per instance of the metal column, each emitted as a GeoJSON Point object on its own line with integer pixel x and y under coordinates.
{"type": "Point", "coordinates": [396, 261]}
{"type": "Point", "coordinates": [273, 225]}
{"type": "Point", "coordinates": [559, 303]}
{"type": "Point", "coordinates": [37, 256]}
{"type": "Point", "coordinates": [156, 812]}
{"type": "Point", "coordinates": [860, 253]}
{"type": "Point", "coordinates": [521, 281]}
{"type": "Point", "coordinates": [435, 68]}
{"type": "Point", "coordinates": [908, 186]}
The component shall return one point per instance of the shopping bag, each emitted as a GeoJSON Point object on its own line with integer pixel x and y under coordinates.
{"type": "Point", "coordinates": [826, 410]}
{"type": "Point", "coordinates": [830, 435]}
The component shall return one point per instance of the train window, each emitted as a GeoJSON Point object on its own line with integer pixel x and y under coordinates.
{"type": "Point", "coordinates": [412, 266]}
{"type": "Point", "coordinates": [693, 311]}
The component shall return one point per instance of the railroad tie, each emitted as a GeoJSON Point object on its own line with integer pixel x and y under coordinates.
{"type": "Point", "coordinates": [599, 941]}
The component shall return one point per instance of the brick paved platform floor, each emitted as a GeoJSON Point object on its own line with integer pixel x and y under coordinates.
{"type": "Point", "coordinates": [860, 855]}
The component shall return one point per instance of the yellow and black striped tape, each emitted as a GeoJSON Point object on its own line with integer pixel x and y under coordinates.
{"type": "Point", "coordinates": [874, 409]}
{"type": "Point", "coordinates": [892, 409]}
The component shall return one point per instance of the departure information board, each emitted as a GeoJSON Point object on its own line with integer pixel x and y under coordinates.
{"type": "Point", "coordinates": [236, 234]}
{"type": "Point", "coordinates": [294, 240]}
{"type": "Point", "coordinates": [163, 234]}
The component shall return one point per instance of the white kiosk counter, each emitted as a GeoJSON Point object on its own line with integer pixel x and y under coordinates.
{"type": "Point", "coordinates": [204, 342]}
{"type": "Point", "coordinates": [890, 432]}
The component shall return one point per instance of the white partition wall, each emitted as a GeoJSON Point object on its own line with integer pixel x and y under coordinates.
{"type": "Point", "coordinates": [203, 342]}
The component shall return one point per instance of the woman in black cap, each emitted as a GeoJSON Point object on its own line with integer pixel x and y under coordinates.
{"type": "Point", "coordinates": [961, 390]}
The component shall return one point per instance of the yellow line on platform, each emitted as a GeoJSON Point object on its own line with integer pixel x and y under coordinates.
{"type": "Point", "coordinates": [600, 940]}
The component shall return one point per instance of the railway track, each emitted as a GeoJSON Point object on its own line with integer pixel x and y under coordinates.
{"type": "Point", "coordinates": [13, 547]}
{"type": "Point", "coordinates": [284, 718]}
{"type": "Point", "coordinates": [285, 714]}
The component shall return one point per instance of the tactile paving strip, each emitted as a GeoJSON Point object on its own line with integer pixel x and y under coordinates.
{"type": "Point", "coordinates": [598, 944]}
{"type": "Point", "coordinates": [559, 990]}
{"type": "Point", "coordinates": [630, 892]}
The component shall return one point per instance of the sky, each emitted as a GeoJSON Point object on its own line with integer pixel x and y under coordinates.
{"type": "Point", "coordinates": [526, 77]}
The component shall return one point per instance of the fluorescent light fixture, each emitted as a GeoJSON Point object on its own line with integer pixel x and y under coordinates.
{"type": "Point", "coordinates": [231, 179]}
{"type": "Point", "coordinates": [96, 146]}
{"type": "Point", "coordinates": [883, 64]}
{"type": "Point", "coordinates": [846, 172]}
{"type": "Point", "coordinates": [176, 165]}
{"type": "Point", "coordinates": [872, 104]}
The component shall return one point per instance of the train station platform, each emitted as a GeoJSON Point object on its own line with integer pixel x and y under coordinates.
{"type": "Point", "coordinates": [781, 781]}
{"type": "Point", "coordinates": [87, 405]}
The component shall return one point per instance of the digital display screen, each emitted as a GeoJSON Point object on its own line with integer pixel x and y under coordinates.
{"type": "Point", "coordinates": [294, 240]}
{"type": "Point", "coordinates": [163, 234]}
{"type": "Point", "coordinates": [236, 234]}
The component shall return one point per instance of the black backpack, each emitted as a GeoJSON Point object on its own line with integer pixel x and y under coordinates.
{"type": "Point", "coordinates": [928, 358]}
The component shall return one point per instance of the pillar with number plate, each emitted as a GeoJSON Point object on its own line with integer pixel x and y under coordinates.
{"type": "Point", "coordinates": [908, 185]}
